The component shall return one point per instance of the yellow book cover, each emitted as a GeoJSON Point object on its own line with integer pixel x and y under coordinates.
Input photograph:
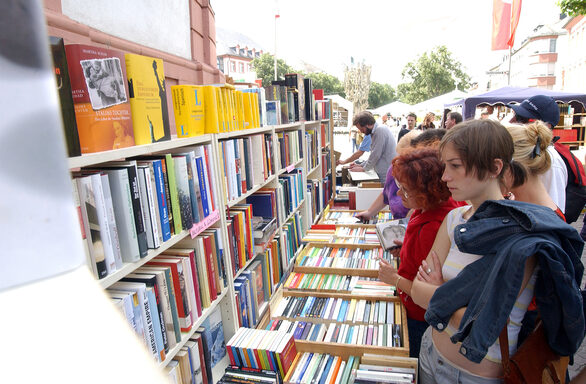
{"type": "Point", "coordinates": [226, 109]}
{"type": "Point", "coordinates": [148, 101]}
{"type": "Point", "coordinates": [220, 107]}
{"type": "Point", "coordinates": [189, 106]}
{"type": "Point", "coordinates": [233, 109]}
{"type": "Point", "coordinates": [255, 113]}
{"type": "Point", "coordinates": [239, 108]}
{"type": "Point", "coordinates": [210, 109]}
{"type": "Point", "coordinates": [247, 99]}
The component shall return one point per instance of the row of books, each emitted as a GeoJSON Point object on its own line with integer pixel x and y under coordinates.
{"type": "Point", "coordinates": [336, 309]}
{"type": "Point", "coordinates": [378, 335]}
{"type": "Point", "coordinates": [245, 375]}
{"type": "Point", "coordinates": [290, 147]}
{"type": "Point", "coordinates": [252, 290]}
{"type": "Point", "coordinates": [314, 199]}
{"type": "Point", "coordinates": [330, 369]}
{"type": "Point", "coordinates": [326, 161]}
{"type": "Point", "coordinates": [313, 145]}
{"type": "Point", "coordinates": [168, 294]}
{"type": "Point", "coordinates": [329, 257]}
{"type": "Point", "coordinates": [262, 349]}
{"type": "Point", "coordinates": [129, 207]}
{"type": "Point", "coordinates": [193, 363]}
{"type": "Point", "coordinates": [349, 217]}
{"type": "Point", "coordinates": [292, 235]}
{"type": "Point", "coordinates": [292, 184]}
{"type": "Point", "coordinates": [324, 233]}
{"type": "Point", "coordinates": [245, 163]}
{"type": "Point", "coordinates": [340, 283]}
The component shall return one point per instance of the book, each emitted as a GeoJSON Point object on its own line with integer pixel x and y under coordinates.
{"type": "Point", "coordinates": [197, 338]}
{"type": "Point", "coordinates": [148, 100]}
{"type": "Point", "coordinates": [390, 231]}
{"type": "Point", "coordinates": [189, 107]}
{"type": "Point", "coordinates": [65, 96]}
{"type": "Point", "coordinates": [206, 352]}
{"type": "Point", "coordinates": [263, 228]}
{"type": "Point", "coordinates": [183, 191]}
{"type": "Point", "coordinates": [161, 196]}
{"type": "Point", "coordinates": [214, 333]}
{"type": "Point", "coordinates": [100, 97]}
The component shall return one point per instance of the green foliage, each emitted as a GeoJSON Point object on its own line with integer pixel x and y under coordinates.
{"type": "Point", "coordinates": [264, 67]}
{"type": "Point", "coordinates": [380, 94]}
{"type": "Point", "coordinates": [330, 84]}
{"type": "Point", "coordinates": [432, 74]}
{"type": "Point", "coordinates": [572, 7]}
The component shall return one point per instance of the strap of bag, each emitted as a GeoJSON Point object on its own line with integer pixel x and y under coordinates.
{"type": "Point", "coordinates": [504, 344]}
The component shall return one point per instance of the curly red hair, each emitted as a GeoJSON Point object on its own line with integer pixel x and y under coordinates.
{"type": "Point", "coordinates": [420, 171]}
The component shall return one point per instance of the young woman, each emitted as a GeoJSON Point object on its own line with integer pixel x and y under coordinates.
{"type": "Point", "coordinates": [487, 252]}
{"type": "Point", "coordinates": [418, 177]}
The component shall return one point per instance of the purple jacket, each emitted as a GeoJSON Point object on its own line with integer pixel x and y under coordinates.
{"type": "Point", "coordinates": [390, 196]}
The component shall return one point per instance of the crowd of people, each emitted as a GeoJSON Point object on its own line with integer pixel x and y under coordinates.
{"type": "Point", "coordinates": [487, 249]}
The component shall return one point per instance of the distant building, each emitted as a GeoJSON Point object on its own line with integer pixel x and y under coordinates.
{"type": "Point", "coordinates": [235, 53]}
{"type": "Point", "coordinates": [538, 62]}
{"type": "Point", "coordinates": [573, 77]}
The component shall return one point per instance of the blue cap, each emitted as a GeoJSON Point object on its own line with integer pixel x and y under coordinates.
{"type": "Point", "coordinates": [538, 107]}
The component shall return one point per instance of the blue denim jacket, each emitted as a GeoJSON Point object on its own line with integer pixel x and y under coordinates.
{"type": "Point", "coordinates": [507, 233]}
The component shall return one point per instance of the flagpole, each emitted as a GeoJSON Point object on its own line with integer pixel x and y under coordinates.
{"type": "Point", "coordinates": [510, 59]}
{"type": "Point", "coordinates": [276, 17]}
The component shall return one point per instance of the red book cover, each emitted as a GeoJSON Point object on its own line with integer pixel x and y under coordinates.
{"type": "Point", "coordinates": [318, 94]}
{"type": "Point", "coordinates": [237, 298]}
{"type": "Point", "coordinates": [286, 354]}
{"type": "Point", "coordinates": [207, 244]}
{"type": "Point", "coordinates": [214, 254]}
{"type": "Point", "coordinates": [100, 97]}
{"type": "Point", "coordinates": [351, 200]}
{"type": "Point", "coordinates": [323, 226]}
{"type": "Point", "coordinates": [191, 255]}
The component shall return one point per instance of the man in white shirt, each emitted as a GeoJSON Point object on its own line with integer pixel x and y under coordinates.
{"type": "Point", "coordinates": [545, 108]}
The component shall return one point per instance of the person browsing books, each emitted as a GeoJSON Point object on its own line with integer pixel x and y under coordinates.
{"type": "Point", "coordinates": [382, 147]}
{"type": "Point", "coordinates": [418, 176]}
{"type": "Point", "coordinates": [487, 252]}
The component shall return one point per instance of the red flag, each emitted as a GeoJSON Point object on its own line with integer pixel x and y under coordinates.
{"type": "Point", "coordinates": [277, 16]}
{"type": "Point", "coordinates": [515, 15]}
{"type": "Point", "coordinates": [501, 24]}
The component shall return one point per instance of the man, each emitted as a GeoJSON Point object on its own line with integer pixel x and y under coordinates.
{"type": "Point", "coordinates": [382, 148]}
{"type": "Point", "coordinates": [545, 108]}
{"type": "Point", "coordinates": [453, 118]}
{"type": "Point", "coordinates": [411, 120]}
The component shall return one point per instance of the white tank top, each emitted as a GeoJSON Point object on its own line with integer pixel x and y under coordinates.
{"type": "Point", "coordinates": [457, 260]}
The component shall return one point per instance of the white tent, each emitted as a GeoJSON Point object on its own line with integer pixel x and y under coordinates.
{"type": "Point", "coordinates": [342, 104]}
{"type": "Point", "coordinates": [396, 108]}
{"type": "Point", "coordinates": [436, 104]}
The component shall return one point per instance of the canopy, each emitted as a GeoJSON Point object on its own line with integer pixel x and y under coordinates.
{"type": "Point", "coordinates": [396, 108]}
{"type": "Point", "coordinates": [436, 104]}
{"type": "Point", "coordinates": [512, 94]}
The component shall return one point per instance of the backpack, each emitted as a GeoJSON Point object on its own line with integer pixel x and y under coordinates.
{"type": "Point", "coordinates": [576, 186]}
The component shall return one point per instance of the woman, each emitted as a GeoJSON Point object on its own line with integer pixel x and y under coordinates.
{"type": "Point", "coordinates": [483, 294]}
{"type": "Point", "coordinates": [427, 122]}
{"type": "Point", "coordinates": [418, 177]}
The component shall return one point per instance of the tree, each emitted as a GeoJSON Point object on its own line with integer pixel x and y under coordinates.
{"type": "Point", "coordinates": [572, 7]}
{"type": "Point", "coordinates": [264, 67]}
{"type": "Point", "coordinates": [330, 84]}
{"type": "Point", "coordinates": [357, 86]}
{"type": "Point", "coordinates": [380, 94]}
{"type": "Point", "coordinates": [432, 74]}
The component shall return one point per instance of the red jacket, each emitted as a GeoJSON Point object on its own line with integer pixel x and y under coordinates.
{"type": "Point", "coordinates": [419, 237]}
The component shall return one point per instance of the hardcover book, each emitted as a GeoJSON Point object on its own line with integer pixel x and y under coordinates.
{"type": "Point", "coordinates": [390, 231]}
{"type": "Point", "coordinates": [189, 107]}
{"type": "Point", "coordinates": [65, 96]}
{"type": "Point", "coordinates": [100, 96]}
{"type": "Point", "coordinates": [148, 101]}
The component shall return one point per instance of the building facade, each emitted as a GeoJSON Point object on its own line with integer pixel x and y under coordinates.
{"type": "Point", "coordinates": [237, 63]}
{"type": "Point", "coordinates": [573, 77]}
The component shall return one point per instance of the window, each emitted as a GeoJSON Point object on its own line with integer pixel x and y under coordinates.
{"type": "Point", "coordinates": [552, 43]}
{"type": "Point", "coordinates": [232, 66]}
{"type": "Point", "coordinates": [241, 67]}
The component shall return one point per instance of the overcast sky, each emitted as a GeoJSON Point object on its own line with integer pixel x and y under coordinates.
{"type": "Point", "coordinates": [385, 34]}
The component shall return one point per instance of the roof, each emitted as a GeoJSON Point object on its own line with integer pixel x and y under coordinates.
{"type": "Point", "coordinates": [225, 39]}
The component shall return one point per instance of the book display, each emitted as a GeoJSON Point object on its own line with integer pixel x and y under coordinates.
{"type": "Point", "coordinates": [190, 235]}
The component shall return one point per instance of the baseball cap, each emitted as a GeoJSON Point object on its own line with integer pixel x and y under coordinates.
{"type": "Point", "coordinates": [539, 107]}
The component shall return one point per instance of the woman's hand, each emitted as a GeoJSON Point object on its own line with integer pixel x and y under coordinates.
{"type": "Point", "coordinates": [432, 275]}
{"type": "Point", "coordinates": [364, 216]}
{"type": "Point", "coordinates": [386, 273]}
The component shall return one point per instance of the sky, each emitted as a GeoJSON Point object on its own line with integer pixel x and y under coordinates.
{"type": "Point", "coordinates": [386, 34]}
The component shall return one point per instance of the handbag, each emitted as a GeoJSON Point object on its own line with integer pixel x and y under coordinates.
{"type": "Point", "coordinates": [534, 361]}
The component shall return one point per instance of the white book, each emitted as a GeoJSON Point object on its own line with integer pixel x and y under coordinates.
{"type": "Point", "coordinates": [380, 335]}
{"type": "Point", "coordinates": [111, 220]}
{"type": "Point", "coordinates": [122, 202]}
{"type": "Point", "coordinates": [299, 368]}
{"type": "Point", "coordinates": [331, 303]}
{"type": "Point", "coordinates": [149, 333]}
{"type": "Point", "coordinates": [337, 308]}
{"type": "Point", "coordinates": [136, 308]}
{"type": "Point", "coordinates": [257, 159]}
{"type": "Point", "coordinates": [385, 377]}
{"type": "Point", "coordinates": [382, 312]}
{"type": "Point", "coordinates": [127, 306]}
{"type": "Point", "coordinates": [281, 307]}
{"type": "Point", "coordinates": [193, 350]}
{"type": "Point", "coordinates": [171, 369]}
{"type": "Point", "coordinates": [389, 335]}
{"type": "Point", "coordinates": [330, 332]}
{"type": "Point", "coordinates": [321, 333]}
{"type": "Point", "coordinates": [145, 206]}
{"type": "Point", "coordinates": [150, 183]}
{"type": "Point", "coordinates": [343, 333]}
{"type": "Point", "coordinates": [391, 314]}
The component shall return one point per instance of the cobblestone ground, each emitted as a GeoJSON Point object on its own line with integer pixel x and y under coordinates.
{"type": "Point", "coordinates": [580, 356]}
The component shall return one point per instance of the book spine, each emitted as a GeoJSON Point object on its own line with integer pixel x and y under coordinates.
{"type": "Point", "coordinates": [162, 199]}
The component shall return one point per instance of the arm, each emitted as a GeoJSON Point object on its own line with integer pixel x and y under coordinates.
{"type": "Point", "coordinates": [356, 155]}
{"type": "Point", "coordinates": [389, 275]}
{"type": "Point", "coordinates": [374, 208]}
{"type": "Point", "coordinates": [421, 292]}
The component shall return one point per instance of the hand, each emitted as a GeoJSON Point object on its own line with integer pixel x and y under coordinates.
{"type": "Point", "coordinates": [356, 168]}
{"type": "Point", "coordinates": [386, 273]}
{"type": "Point", "coordinates": [397, 249]}
{"type": "Point", "coordinates": [431, 275]}
{"type": "Point", "coordinates": [364, 216]}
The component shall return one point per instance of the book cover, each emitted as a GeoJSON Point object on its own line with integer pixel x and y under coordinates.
{"type": "Point", "coordinates": [100, 97]}
{"type": "Point", "coordinates": [65, 95]}
{"type": "Point", "coordinates": [214, 332]}
{"type": "Point", "coordinates": [206, 350]}
{"type": "Point", "coordinates": [159, 186]}
{"type": "Point", "coordinates": [204, 365]}
{"type": "Point", "coordinates": [189, 107]}
{"type": "Point", "coordinates": [194, 191]}
{"type": "Point", "coordinates": [145, 205]}
{"type": "Point", "coordinates": [148, 101]}
{"type": "Point", "coordinates": [172, 182]}
{"type": "Point", "coordinates": [109, 243]}
{"type": "Point", "coordinates": [390, 231]}
{"type": "Point", "coordinates": [183, 191]}
{"type": "Point", "coordinates": [212, 124]}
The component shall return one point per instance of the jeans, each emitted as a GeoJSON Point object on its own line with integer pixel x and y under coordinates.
{"type": "Point", "coordinates": [416, 329]}
{"type": "Point", "coordinates": [434, 369]}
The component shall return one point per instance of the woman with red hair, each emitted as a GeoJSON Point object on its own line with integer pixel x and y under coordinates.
{"type": "Point", "coordinates": [418, 176]}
